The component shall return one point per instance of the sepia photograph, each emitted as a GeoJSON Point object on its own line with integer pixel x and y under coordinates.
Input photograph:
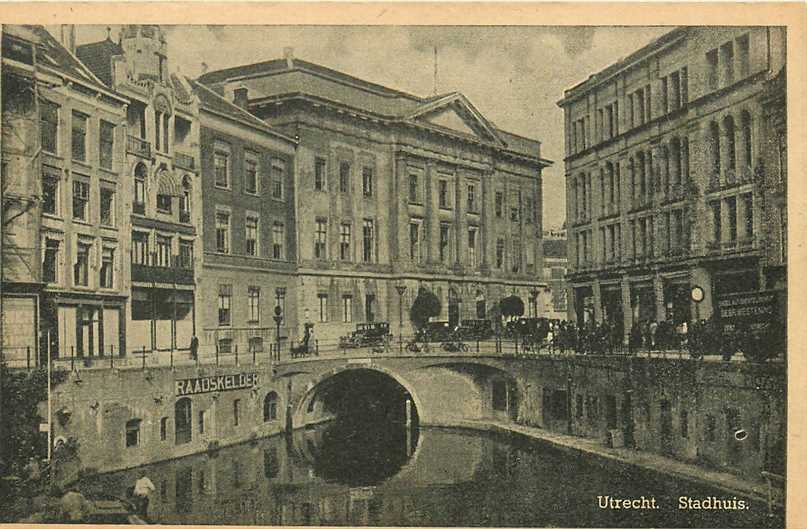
{"type": "Point", "coordinates": [394, 275]}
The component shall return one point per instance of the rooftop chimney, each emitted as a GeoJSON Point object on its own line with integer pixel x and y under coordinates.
{"type": "Point", "coordinates": [69, 37]}
{"type": "Point", "coordinates": [204, 68]}
{"type": "Point", "coordinates": [288, 54]}
{"type": "Point", "coordinates": [241, 96]}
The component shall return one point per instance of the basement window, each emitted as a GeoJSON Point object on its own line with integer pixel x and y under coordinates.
{"type": "Point", "coordinates": [132, 433]}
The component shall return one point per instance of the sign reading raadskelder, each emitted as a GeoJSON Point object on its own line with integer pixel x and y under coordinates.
{"type": "Point", "coordinates": [194, 386]}
{"type": "Point", "coordinates": [759, 306]}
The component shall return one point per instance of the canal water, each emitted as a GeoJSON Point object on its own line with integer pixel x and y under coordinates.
{"type": "Point", "coordinates": [354, 473]}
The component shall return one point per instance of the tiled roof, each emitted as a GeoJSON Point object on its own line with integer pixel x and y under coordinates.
{"type": "Point", "coordinates": [97, 56]}
{"type": "Point", "coordinates": [555, 248]}
{"type": "Point", "coordinates": [53, 55]}
{"type": "Point", "coordinates": [210, 100]}
{"type": "Point", "coordinates": [276, 79]}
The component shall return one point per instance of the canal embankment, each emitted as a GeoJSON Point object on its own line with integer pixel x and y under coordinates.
{"type": "Point", "coordinates": [725, 481]}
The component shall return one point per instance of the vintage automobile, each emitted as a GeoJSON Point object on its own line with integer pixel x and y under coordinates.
{"type": "Point", "coordinates": [475, 330]}
{"type": "Point", "coordinates": [436, 331]}
{"type": "Point", "coordinates": [366, 335]}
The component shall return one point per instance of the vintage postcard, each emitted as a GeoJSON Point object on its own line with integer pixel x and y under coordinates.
{"type": "Point", "coordinates": [517, 265]}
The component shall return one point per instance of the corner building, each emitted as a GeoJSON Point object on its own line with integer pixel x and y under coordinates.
{"type": "Point", "coordinates": [668, 176]}
{"type": "Point", "coordinates": [397, 190]}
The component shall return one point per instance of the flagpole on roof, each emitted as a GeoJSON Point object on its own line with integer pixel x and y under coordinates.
{"type": "Point", "coordinates": [435, 70]}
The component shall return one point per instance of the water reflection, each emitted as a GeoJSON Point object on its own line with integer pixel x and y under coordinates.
{"type": "Point", "coordinates": [336, 475]}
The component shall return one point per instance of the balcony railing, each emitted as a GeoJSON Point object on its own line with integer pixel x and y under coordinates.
{"type": "Point", "coordinates": [139, 147]}
{"type": "Point", "coordinates": [182, 275]}
{"type": "Point", "coordinates": [185, 161]}
{"type": "Point", "coordinates": [740, 245]}
{"type": "Point", "coordinates": [184, 216]}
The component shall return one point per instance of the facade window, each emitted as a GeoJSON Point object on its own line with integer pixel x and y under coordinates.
{"type": "Point", "coordinates": [81, 200]}
{"type": "Point", "coordinates": [499, 206]}
{"type": "Point", "coordinates": [445, 242]}
{"type": "Point", "coordinates": [225, 346]}
{"type": "Point", "coordinates": [711, 428]}
{"type": "Point", "coordinates": [185, 254]}
{"type": "Point", "coordinates": [251, 226]}
{"type": "Point", "coordinates": [472, 198]}
{"type": "Point", "coordinates": [731, 204]}
{"type": "Point", "coordinates": [221, 165]}
{"type": "Point", "coordinates": [731, 143]}
{"type": "Point", "coordinates": [347, 309]}
{"type": "Point", "coordinates": [442, 192]}
{"type": "Point", "coordinates": [414, 189]}
{"type": "Point", "coordinates": [414, 242]}
{"type": "Point", "coordinates": [344, 242]}
{"type": "Point", "coordinates": [278, 235]}
{"type": "Point", "coordinates": [255, 345]}
{"type": "Point", "coordinates": [251, 173]}
{"type": "Point", "coordinates": [499, 253]}
{"type": "Point", "coordinates": [472, 232]}
{"type": "Point", "coordinates": [344, 177]}
{"type": "Point", "coordinates": [222, 232]}
{"type": "Point", "coordinates": [225, 304]}
{"type": "Point", "coordinates": [201, 422]}
{"type": "Point", "coordinates": [684, 424]}
{"type": "Point", "coordinates": [139, 199]}
{"type": "Point", "coordinates": [107, 276]}
{"type": "Point", "coordinates": [369, 304]}
{"type": "Point", "coordinates": [106, 144]}
{"type": "Point", "coordinates": [529, 210]}
{"type": "Point", "coordinates": [49, 126]}
{"type": "Point", "coordinates": [515, 206]}
{"type": "Point", "coordinates": [321, 239]}
{"type": "Point", "coordinates": [50, 261]}
{"type": "Point", "coordinates": [236, 412]}
{"type": "Point", "coordinates": [185, 201]}
{"type": "Point", "coordinates": [81, 268]}
{"type": "Point", "coordinates": [270, 407]}
{"type": "Point", "coordinates": [163, 251]}
{"type": "Point", "coordinates": [516, 256]}
{"type": "Point", "coordinates": [748, 221]}
{"type": "Point", "coordinates": [727, 60]}
{"type": "Point", "coordinates": [107, 207]}
{"type": "Point", "coordinates": [368, 238]}
{"type": "Point", "coordinates": [164, 203]}
{"type": "Point", "coordinates": [367, 181]}
{"type": "Point", "coordinates": [748, 161]}
{"type": "Point", "coordinates": [50, 195]}
{"type": "Point", "coordinates": [717, 227]}
{"type": "Point", "coordinates": [254, 303]}
{"type": "Point", "coordinates": [714, 143]}
{"type": "Point", "coordinates": [132, 433]}
{"type": "Point", "coordinates": [323, 307]}
{"type": "Point", "coordinates": [163, 428]}
{"type": "Point", "coordinates": [79, 137]}
{"type": "Point", "coordinates": [140, 248]}
{"type": "Point", "coordinates": [320, 178]}
{"type": "Point", "coordinates": [278, 177]}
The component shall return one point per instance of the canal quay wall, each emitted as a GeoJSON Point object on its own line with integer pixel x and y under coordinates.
{"type": "Point", "coordinates": [124, 418]}
{"type": "Point", "coordinates": [726, 416]}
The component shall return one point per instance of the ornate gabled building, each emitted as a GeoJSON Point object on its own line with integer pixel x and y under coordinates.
{"type": "Point", "coordinates": [674, 162]}
{"type": "Point", "coordinates": [395, 190]}
{"type": "Point", "coordinates": [63, 161]}
{"type": "Point", "coordinates": [162, 179]}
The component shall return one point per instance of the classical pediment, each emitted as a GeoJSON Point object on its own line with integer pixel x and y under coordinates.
{"type": "Point", "coordinates": [453, 112]}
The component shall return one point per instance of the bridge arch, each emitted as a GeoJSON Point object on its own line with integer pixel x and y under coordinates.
{"type": "Point", "coordinates": [305, 404]}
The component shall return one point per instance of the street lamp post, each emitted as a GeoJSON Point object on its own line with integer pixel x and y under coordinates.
{"type": "Point", "coordinates": [278, 317]}
{"type": "Point", "coordinates": [534, 292]}
{"type": "Point", "coordinates": [400, 289]}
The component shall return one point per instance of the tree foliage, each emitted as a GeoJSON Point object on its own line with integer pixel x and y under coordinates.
{"type": "Point", "coordinates": [22, 392]}
{"type": "Point", "coordinates": [425, 306]}
{"type": "Point", "coordinates": [512, 306]}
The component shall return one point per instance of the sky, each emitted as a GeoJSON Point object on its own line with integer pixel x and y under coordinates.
{"type": "Point", "coordinates": [514, 75]}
